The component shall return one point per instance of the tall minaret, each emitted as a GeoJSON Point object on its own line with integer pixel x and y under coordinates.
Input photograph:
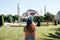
{"type": "Point", "coordinates": [41, 12]}
{"type": "Point", "coordinates": [44, 9]}
{"type": "Point", "coordinates": [18, 11]}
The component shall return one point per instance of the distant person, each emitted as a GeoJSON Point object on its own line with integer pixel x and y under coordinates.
{"type": "Point", "coordinates": [29, 30]}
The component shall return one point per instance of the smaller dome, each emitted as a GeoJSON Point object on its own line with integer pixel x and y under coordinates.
{"type": "Point", "coordinates": [58, 13]}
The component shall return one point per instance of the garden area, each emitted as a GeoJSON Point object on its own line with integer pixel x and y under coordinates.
{"type": "Point", "coordinates": [50, 32]}
{"type": "Point", "coordinates": [47, 28]}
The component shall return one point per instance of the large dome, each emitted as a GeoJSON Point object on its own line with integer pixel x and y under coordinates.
{"type": "Point", "coordinates": [30, 13]}
{"type": "Point", "coordinates": [57, 17]}
{"type": "Point", "coordinates": [58, 13]}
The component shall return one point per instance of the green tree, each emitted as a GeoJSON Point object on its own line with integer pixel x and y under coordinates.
{"type": "Point", "coordinates": [38, 23]}
{"type": "Point", "coordinates": [38, 17]}
{"type": "Point", "coordinates": [9, 18]}
{"type": "Point", "coordinates": [24, 20]}
{"type": "Point", "coordinates": [1, 21]}
{"type": "Point", "coordinates": [48, 17]}
{"type": "Point", "coordinates": [38, 20]}
{"type": "Point", "coordinates": [15, 17]}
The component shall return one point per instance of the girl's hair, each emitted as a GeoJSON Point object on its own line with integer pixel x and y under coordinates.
{"type": "Point", "coordinates": [30, 28]}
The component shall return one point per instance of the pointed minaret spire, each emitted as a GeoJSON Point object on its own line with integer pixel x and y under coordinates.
{"type": "Point", "coordinates": [44, 9]}
{"type": "Point", "coordinates": [41, 12]}
{"type": "Point", "coordinates": [18, 11]}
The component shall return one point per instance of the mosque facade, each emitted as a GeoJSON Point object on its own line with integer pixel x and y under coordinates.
{"type": "Point", "coordinates": [57, 17]}
{"type": "Point", "coordinates": [30, 13]}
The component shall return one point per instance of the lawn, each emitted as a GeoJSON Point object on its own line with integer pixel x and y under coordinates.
{"type": "Point", "coordinates": [16, 33]}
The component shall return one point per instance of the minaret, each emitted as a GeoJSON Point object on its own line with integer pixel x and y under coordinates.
{"type": "Point", "coordinates": [18, 11]}
{"type": "Point", "coordinates": [41, 12]}
{"type": "Point", "coordinates": [44, 9]}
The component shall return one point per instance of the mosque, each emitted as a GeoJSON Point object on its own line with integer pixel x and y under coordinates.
{"type": "Point", "coordinates": [57, 17]}
{"type": "Point", "coordinates": [29, 13]}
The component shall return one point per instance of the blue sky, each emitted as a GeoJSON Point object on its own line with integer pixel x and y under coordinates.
{"type": "Point", "coordinates": [10, 6]}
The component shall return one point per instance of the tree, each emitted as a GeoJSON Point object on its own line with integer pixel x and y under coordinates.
{"type": "Point", "coordinates": [24, 20]}
{"type": "Point", "coordinates": [38, 23]}
{"type": "Point", "coordinates": [48, 17]}
{"type": "Point", "coordinates": [55, 22]}
{"type": "Point", "coordinates": [9, 18]}
{"type": "Point", "coordinates": [41, 18]}
{"type": "Point", "coordinates": [38, 17]}
{"type": "Point", "coordinates": [35, 18]}
{"type": "Point", "coordinates": [1, 21]}
{"type": "Point", "coordinates": [15, 17]}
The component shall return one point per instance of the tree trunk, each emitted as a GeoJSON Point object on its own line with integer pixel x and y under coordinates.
{"type": "Point", "coordinates": [47, 22]}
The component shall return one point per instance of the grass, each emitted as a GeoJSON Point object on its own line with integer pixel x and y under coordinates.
{"type": "Point", "coordinates": [16, 33]}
